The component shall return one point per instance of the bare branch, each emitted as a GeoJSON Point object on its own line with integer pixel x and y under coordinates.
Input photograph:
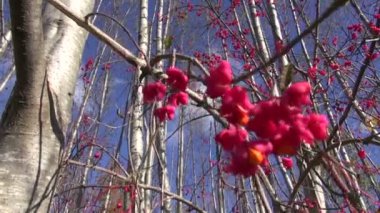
{"type": "Point", "coordinates": [122, 51]}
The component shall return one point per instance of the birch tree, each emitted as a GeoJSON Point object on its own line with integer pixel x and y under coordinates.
{"type": "Point", "coordinates": [47, 51]}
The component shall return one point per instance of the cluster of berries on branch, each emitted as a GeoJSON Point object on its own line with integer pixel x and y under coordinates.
{"type": "Point", "coordinates": [279, 124]}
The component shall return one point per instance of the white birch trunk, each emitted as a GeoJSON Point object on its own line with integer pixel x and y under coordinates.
{"type": "Point", "coordinates": [149, 161]}
{"type": "Point", "coordinates": [276, 27]}
{"type": "Point", "coordinates": [161, 127]}
{"type": "Point", "coordinates": [154, 125]}
{"type": "Point", "coordinates": [258, 32]}
{"type": "Point", "coordinates": [136, 140]}
{"type": "Point", "coordinates": [47, 59]}
{"type": "Point", "coordinates": [180, 161]}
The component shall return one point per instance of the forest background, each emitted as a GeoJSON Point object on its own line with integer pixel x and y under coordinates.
{"type": "Point", "coordinates": [79, 132]}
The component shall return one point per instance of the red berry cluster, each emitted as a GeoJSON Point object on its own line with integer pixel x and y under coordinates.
{"type": "Point", "coordinates": [278, 123]}
{"type": "Point", "coordinates": [156, 91]}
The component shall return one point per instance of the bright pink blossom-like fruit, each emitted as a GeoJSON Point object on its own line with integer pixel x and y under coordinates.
{"type": "Point", "coordinates": [280, 120]}
{"type": "Point", "coordinates": [287, 163]}
{"type": "Point", "coordinates": [230, 137]}
{"type": "Point", "coordinates": [298, 94]}
{"type": "Point", "coordinates": [220, 80]}
{"type": "Point", "coordinates": [279, 123]}
{"type": "Point", "coordinates": [240, 163]}
{"type": "Point", "coordinates": [178, 98]}
{"type": "Point", "coordinates": [362, 154]}
{"type": "Point", "coordinates": [154, 92]}
{"type": "Point", "coordinates": [177, 79]}
{"type": "Point", "coordinates": [318, 124]}
{"type": "Point", "coordinates": [246, 157]}
{"type": "Point", "coordinates": [165, 113]}
{"type": "Point", "coordinates": [236, 106]}
{"type": "Point", "coordinates": [97, 154]}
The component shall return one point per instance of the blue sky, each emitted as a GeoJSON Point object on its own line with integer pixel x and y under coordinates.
{"type": "Point", "coordinates": [191, 34]}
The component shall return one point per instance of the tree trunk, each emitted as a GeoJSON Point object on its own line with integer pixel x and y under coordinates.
{"type": "Point", "coordinates": [47, 56]}
{"type": "Point", "coordinates": [136, 131]}
{"type": "Point", "coordinates": [161, 126]}
{"type": "Point", "coordinates": [180, 171]}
